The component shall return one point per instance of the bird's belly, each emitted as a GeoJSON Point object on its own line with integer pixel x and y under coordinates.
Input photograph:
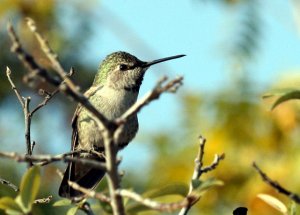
{"type": "Point", "coordinates": [113, 107]}
{"type": "Point", "coordinates": [90, 135]}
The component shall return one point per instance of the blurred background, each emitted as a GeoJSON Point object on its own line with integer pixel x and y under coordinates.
{"type": "Point", "coordinates": [237, 50]}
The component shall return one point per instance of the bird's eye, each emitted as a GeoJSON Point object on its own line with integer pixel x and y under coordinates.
{"type": "Point", "coordinates": [123, 67]}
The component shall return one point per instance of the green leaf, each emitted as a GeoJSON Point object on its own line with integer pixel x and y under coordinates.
{"type": "Point", "coordinates": [72, 211]}
{"type": "Point", "coordinates": [274, 202]}
{"type": "Point", "coordinates": [29, 187]}
{"type": "Point", "coordinates": [171, 189]}
{"type": "Point", "coordinates": [286, 97]}
{"type": "Point", "coordinates": [202, 186]}
{"type": "Point", "coordinates": [63, 202]}
{"type": "Point", "coordinates": [10, 206]}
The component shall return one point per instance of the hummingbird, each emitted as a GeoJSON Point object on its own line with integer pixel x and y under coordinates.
{"type": "Point", "coordinates": [114, 90]}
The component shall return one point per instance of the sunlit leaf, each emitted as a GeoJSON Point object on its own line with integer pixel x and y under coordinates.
{"type": "Point", "coordinates": [274, 202]}
{"type": "Point", "coordinates": [29, 187]}
{"type": "Point", "coordinates": [10, 206]}
{"type": "Point", "coordinates": [63, 202]}
{"type": "Point", "coordinates": [72, 211]}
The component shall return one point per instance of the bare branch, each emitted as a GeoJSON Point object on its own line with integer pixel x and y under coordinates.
{"type": "Point", "coordinates": [16, 189]}
{"type": "Point", "coordinates": [70, 89]}
{"type": "Point", "coordinates": [214, 164]}
{"type": "Point", "coordinates": [27, 120]}
{"type": "Point", "coordinates": [110, 147]}
{"type": "Point", "coordinates": [199, 170]}
{"type": "Point", "coordinates": [46, 159]}
{"type": "Point", "coordinates": [154, 94]}
{"type": "Point", "coordinates": [110, 129]}
{"type": "Point", "coordinates": [112, 171]}
{"type": "Point", "coordinates": [43, 200]}
{"type": "Point", "coordinates": [90, 193]}
{"type": "Point", "coordinates": [53, 57]}
{"type": "Point", "coordinates": [25, 106]}
{"type": "Point", "coordinates": [9, 184]}
{"type": "Point", "coordinates": [68, 86]}
{"type": "Point", "coordinates": [36, 70]}
{"type": "Point", "coordinates": [164, 207]}
{"type": "Point", "coordinates": [48, 97]}
{"type": "Point", "coordinates": [28, 60]}
{"type": "Point", "coordinates": [295, 197]}
{"type": "Point", "coordinates": [14, 88]}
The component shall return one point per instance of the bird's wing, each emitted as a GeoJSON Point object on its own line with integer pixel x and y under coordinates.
{"type": "Point", "coordinates": [88, 94]}
{"type": "Point", "coordinates": [65, 190]}
{"type": "Point", "coordinates": [83, 175]}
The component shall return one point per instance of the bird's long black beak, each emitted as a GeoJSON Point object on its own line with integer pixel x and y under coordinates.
{"type": "Point", "coordinates": [147, 64]}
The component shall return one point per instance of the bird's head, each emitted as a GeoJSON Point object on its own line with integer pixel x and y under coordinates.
{"type": "Point", "coordinates": [121, 70]}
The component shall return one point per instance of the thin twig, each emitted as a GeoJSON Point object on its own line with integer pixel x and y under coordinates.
{"type": "Point", "coordinates": [27, 114]}
{"type": "Point", "coordinates": [9, 184]}
{"type": "Point", "coordinates": [154, 94]}
{"type": "Point", "coordinates": [37, 70]}
{"type": "Point", "coordinates": [163, 207]}
{"type": "Point", "coordinates": [113, 178]}
{"type": "Point", "coordinates": [48, 97]}
{"type": "Point", "coordinates": [214, 164]}
{"type": "Point", "coordinates": [90, 193]}
{"type": "Point", "coordinates": [53, 57]}
{"type": "Point", "coordinates": [199, 170]}
{"type": "Point", "coordinates": [43, 200]}
{"type": "Point", "coordinates": [27, 121]}
{"type": "Point", "coordinates": [70, 89]}
{"type": "Point", "coordinates": [110, 128]}
{"type": "Point", "coordinates": [68, 86]}
{"type": "Point", "coordinates": [28, 60]}
{"type": "Point", "coordinates": [295, 197]}
{"type": "Point", "coordinates": [14, 88]}
{"type": "Point", "coordinates": [25, 106]}
{"type": "Point", "coordinates": [46, 159]}
{"type": "Point", "coordinates": [110, 148]}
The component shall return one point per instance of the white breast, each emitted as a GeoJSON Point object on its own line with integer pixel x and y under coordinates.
{"type": "Point", "coordinates": [113, 103]}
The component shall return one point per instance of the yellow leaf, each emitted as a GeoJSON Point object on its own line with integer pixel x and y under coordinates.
{"type": "Point", "coordinates": [274, 202]}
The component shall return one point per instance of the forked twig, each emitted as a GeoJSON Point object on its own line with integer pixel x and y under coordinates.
{"type": "Point", "coordinates": [9, 184]}
{"type": "Point", "coordinates": [199, 170]}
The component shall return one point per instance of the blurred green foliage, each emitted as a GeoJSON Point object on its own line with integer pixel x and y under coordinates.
{"type": "Point", "coordinates": [24, 201]}
{"type": "Point", "coordinates": [234, 120]}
